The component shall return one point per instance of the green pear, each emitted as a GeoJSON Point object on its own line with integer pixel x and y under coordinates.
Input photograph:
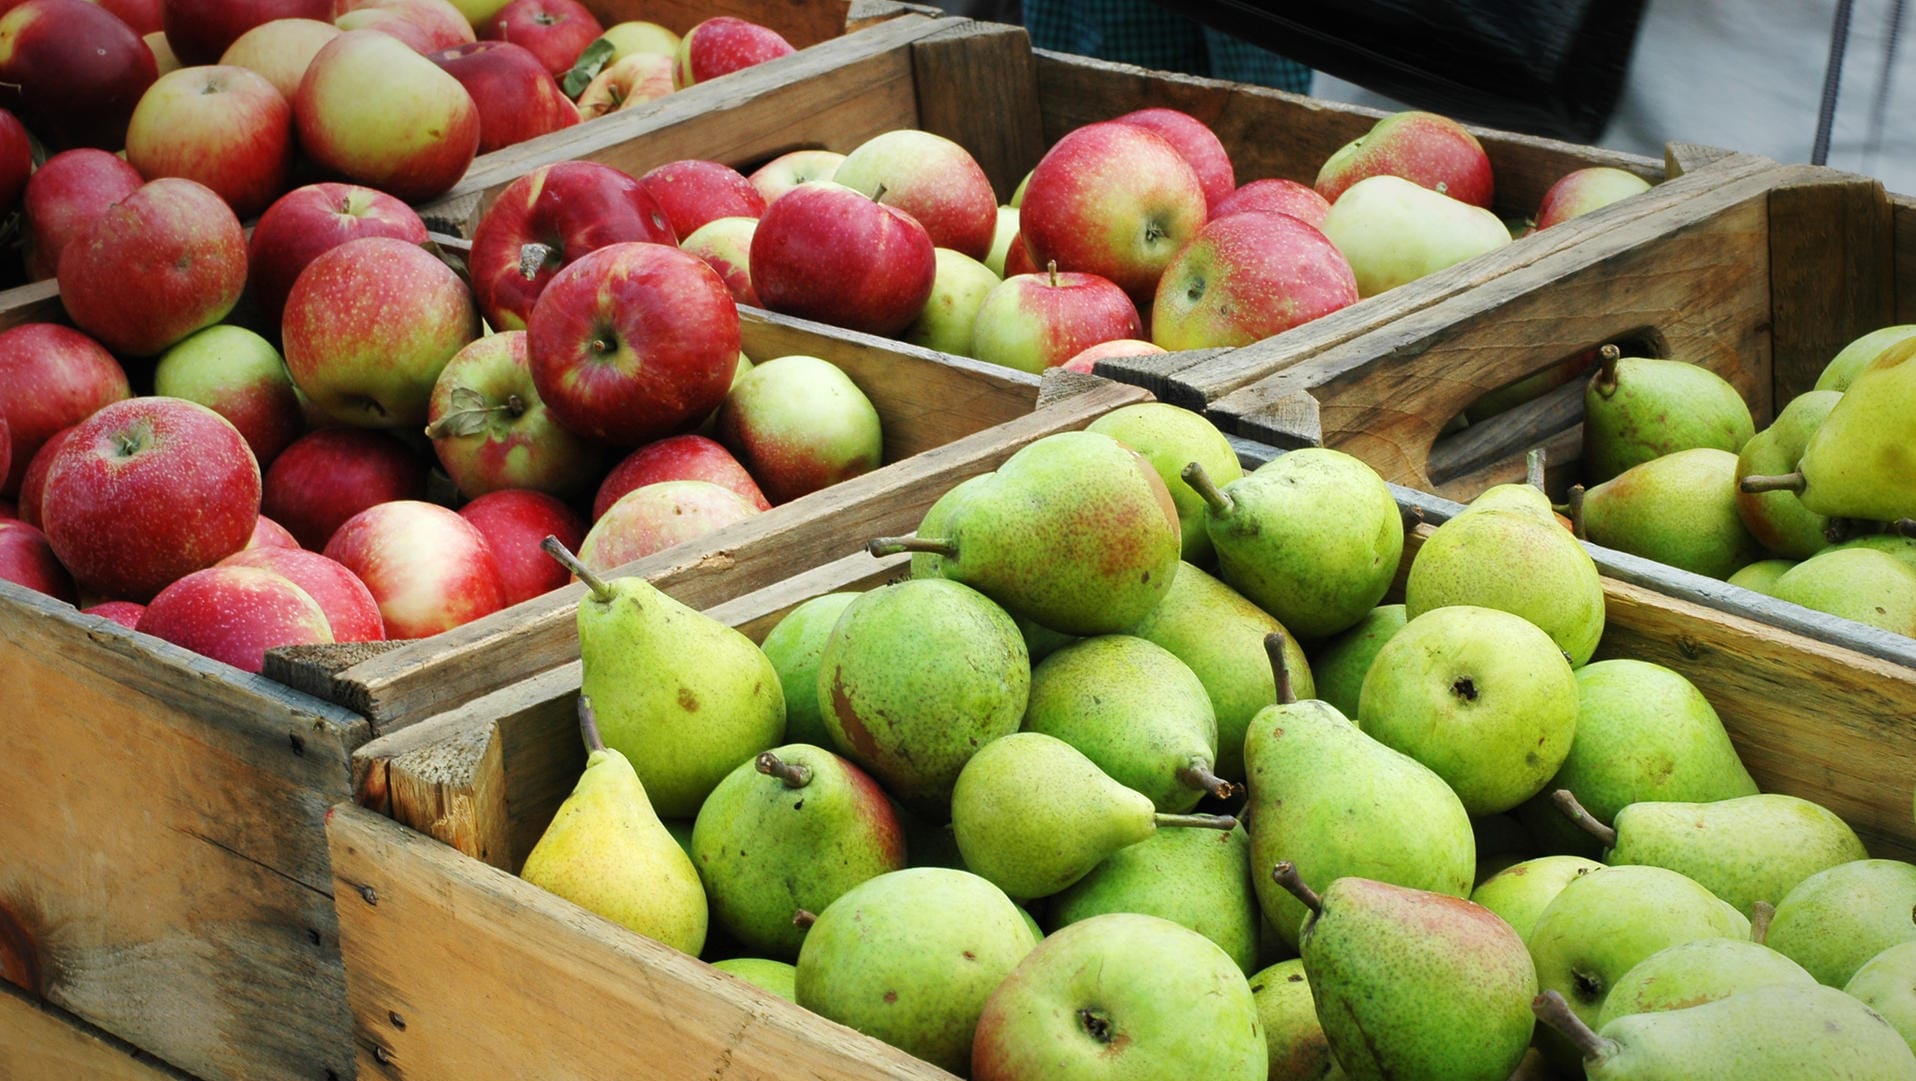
{"type": "Point", "coordinates": [1313, 537]}
{"type": "Point", "coordinates": [778, 977]}
{"type": "Point", "coordinates": [1335, 802]}
{"type": "Point", "coordinates": [1787, 1033]}
{"type": "Point", "coordinates": [1199, 878]}
{"type": "Point", "coordinates": [1292, 1033]}
{"type": "Point", "coordinates": [1219, 635]}
{"type": "Point", "coordinates": [1414, 984]}
{"type": "Point", "coordinates": [1903, 548]}
{"type": "Point", "coordinates": [1837, 919]}
{"type": "Point", "coordinates": [1692, 973]}
{"type": "Point", "coordinates": [1074, 531]}
{"type": "Point", "coordinates": [1861, 461]}
{"type": "Point", "coordinates": [910, 958]}
{"type": "Point", "coordinates": [1863, 584]}
{"type": "Point", "coordinates": [605, 850]}
{"type": "Point", "coordinates": [1778, 520]}
{"type": "Point", "coordinates": [1136, 711]}
{"type": "Point", "coordinates": [1168, 437]}
{"type": "Point", "coordinates": [684, 697]}
{"type": "Point", "coordinates": [1761, 575]}
{"type": "Point", "coordinates": [793, 646]}
{"type": "Point", "coordinates": [1842, 369]}
{"type": "Point", "coordinates": [1525, 564]}
{"type": "Point", "coordinates": [1340, 663]}
{"type": "Point", "coordinates": [916, 676]}
{"type": "Point", "coordinates": [1041, 641]}
{"type": "Point", "coordinates": [1121, 997]}
{"type": "Point", "coordinates": [1678, 509]}
{"type": "Point", "coordinates": [1520, 892]}
{"type": "Point", "coordinates": [1887, 984]}
{"type": "Point", "coordinates": [1393, 231]}
{"type": "Point", "coordinates": [1521, 497]}
{"type": "Point", "coordinates": [1033, 815]}
{"type": "Point", "coordinates": [1639, 408]}
{"type": "Point", "coordinates": [1482, 697]}
{"type": "Point", "coordinates": [958, 287]}
{"type": "Point", "coordinates": [1643, 733]}
{"type": "Point", "coordinates": [794, 828]}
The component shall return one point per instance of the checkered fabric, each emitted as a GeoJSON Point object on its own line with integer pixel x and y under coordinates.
{"type": "Point", "coordinates": [1141, 32]}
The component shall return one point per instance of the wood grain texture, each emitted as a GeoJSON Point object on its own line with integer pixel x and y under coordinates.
{"type": "Point", "coordinates": [977, 85]}
{"type": "Point", "coordinates": [513, 976]}
{"type": "Point", "coordinates": [1904, 237]}
{"type": "Point", "coordinates": [801, 22]}
{"type": "Point", "coordinates": [169, 870]}
{"type": "Point", "coordinates": [42, 1043]}
{"type": "Point", "coordinates": [35, 302]}
{"type": "Point", "coordinates": [1832, 273]}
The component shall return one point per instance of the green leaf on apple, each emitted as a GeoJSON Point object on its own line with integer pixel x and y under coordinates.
{"type": "Point", "coordinates": [591, 61]}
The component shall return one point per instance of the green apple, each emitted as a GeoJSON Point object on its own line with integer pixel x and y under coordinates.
{"type": "Point", "coordinates": [1001, 240]}
{"type": "Point", "coordinates": [958, 289]}
{"type": "Point", "coordinates": [798, 423]}
{"type": "Point", "coordinates": [239, 375]}
{"type": "Point", "coordinates": [1394, 231]}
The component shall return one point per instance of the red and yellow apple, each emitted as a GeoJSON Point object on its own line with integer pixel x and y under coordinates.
{"type": "Point", "coordinates": [327, 476]}
{"type": "Point", "coordinates": [377, 113]}
{"type": "Point", "coordinates": [224, 126]}
{"type": "Point", "coordinates": [429, 569]}
{"type": "Point", "coordinates": [491, 431]}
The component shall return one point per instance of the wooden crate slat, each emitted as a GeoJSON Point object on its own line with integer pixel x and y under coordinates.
{"type": "Point", "coordinates": [1904, 238]}
{"type": "Point", "coordinates": [1832, 273]}
{"type": "Point", "coordinates": [801, 22]}
{"type": "Point", "coordinates": [40, 1041]}
{"type": "Point", "coordinates": [978, 86]}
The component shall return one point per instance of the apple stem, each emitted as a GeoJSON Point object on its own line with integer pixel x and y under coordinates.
{"type": "Point", "coordinates": [878, 196]}
{"type": "Point", "coordinates": [1533, 468]}
{"type": "Point", "coordinates": [557, 550]}
{"type": "Point", "coordinates": [794, 774]}
{"type": "Point", "coordinates": [1579, 814]}
{"type": "Point", "coordinates": [1284, 873]}
{"type": "Point", "coordinates": [1200, 482]}
{"type": "Point", "coordinates": [1605, 380]}
{"type": "Point", "coordinates": [1280, 668]}
{"type": "Point", "coordinates": [1051, 269]}
{"type": "Point", "coordinates": [1552, 1010]}
{"type": "Point", "coordinates": [891, 546]}
{"type": "Point", "coordinates": [1761, 913]}
{"type": "Point", "coordinates": [589, 724]}
{"type": "Point", "coordinates": [1197, 774]}
{"type": "Point", "coordinates": [1225, 823]}
{"type": "Point", "coordinates": [1782, 482]}
{"type": "Point", "coordinates": [532, 259]}
{"type": "Point", "coordinates": [803, 918]}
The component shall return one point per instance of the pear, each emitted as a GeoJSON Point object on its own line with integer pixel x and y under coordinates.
{"type": "Point", "coordinates": [1313, 537]}
{"type": "Point", "coordinates": [1482, 697]}
{"type": "Point", "coordinates": [1842, 369]}
{"type": "Point", "coordinates": [1033, 815]}
{"type": "Point", "coordinates": [1074, 531]}
{"type": "Point", "coordinates": [1639, 408]}
{"type": "Point", "coordinates": [916, 676]}
{"type": "Point", "coordinates": [1788, 1033]}
{"type": "Point", "coordinates": [1778, 520]}
{"type": "Point", "coordinates": [794, 828]}
{"type": "Point", "coordinates": [793, 646]}
{"type": "Point", "coordinates": [778, 977]}
{"type": "Point", "coordinates": [605, 850]}
{"type": "Point", "coordinates": [1292, 1033]}
{"type": "Point", "coordinates": [684, 697]}
{"type": "Point", "coordinates": [1861, 461]}
{"type": "Point", "coordinates": [1524, 497]}
{"type": "Point", "coordinates": [1692, 973]}
{"type": "Point", "coordinates": [910, 958]}
{"type": "Point", "coordinates": [1887, 984]}
{"type": "Point", "coordinates": [1393, 231]}
{"type": "Point", "coordinates": [1199, 878]}
{"type": "Point", "coordinates": [1414, 984]}
{"type": "Point", "coordinates": [1678, 509]}
{"type": "Point", "coordinates": [1219, 635]}
{"type": "Point", "coordinates": [1169, 436]}
{"type": "Point", "coordinates": [1121, 997]}
{"type": "Point", "coordinates": [1525, 564]}
{"type": "Point", "coordinates": [1136, 711]}
{"type": "Point", "coordinates": [1837, 919]}
{"type": "Point", "coordinates": [1340, 662]}
{"type": "Point", "coordinates": [1520, 892]}
{"type": "Point", "coordinates": [1863, 584]}
{"type": "Point", "coordinates": [1903, 548]}
{"type": "Point", "coordinates": [1761, 575]}
{"type": "Point", "coordinates": [1336, 802]}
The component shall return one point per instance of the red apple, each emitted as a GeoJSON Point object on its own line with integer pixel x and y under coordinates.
{"type": "Point", "coordinates": [6, 452]}
{"type": "Point", "coordinates": [1115, 200]}
{"type": "Point", "coordinates": [65, 195]}
{"type": "Point", "coordinates": [154, 267]}
{"type": "Point", "coordinates": [33, 484]}
{"type": "Point", "coordinates": [1197, 144]}
{"type": "Point", "coordinates": [426, 26]}
{"type": "Point", "coordinates": [351, 612]}
{"type": "Point", "coordinates": [800, 424]}
{"type": "Point", "coordinates": [51, 378]}
{"type": "Point", "coordinates": [724, 44]}
{"type": "Point", "coordinates": [1276, 196]}
{"type": "Point", "coordinates": [1583, 190]}
{"type": "Point", "coordinates": [1036, 321]}
{"type": "Point", "coordinates": [931, 178]}
{"type": "Point", "coordinates": [823, 251]}
{"type": "Point", "coordinates": [16, 161]}
{"type": "Point", "coordinates": [627, 81]}
{"type": "Point", "coordinates": [725, 244]}
{"type": "Point", "coordinates": [1086, 360]}
{"type": "Point", "coordinates": [428, 568]}
{"type": "Point", "coordinates": [1018, 257]}
{"type": "Point", "coordinates": [270, 534]}
{"type": "Point", "coordinates": [1247, 277]}
{"type": "Point", "coordinates": [374, 111]}
{"type": "Point", "coordinates": [226, 127]}
{"type": "Point", "coordinates": [126, 613]}
{"type": "Point", "coordinates": [329, 475]}
{"type": "Point", "coordinates": [1426, 149]}
{"type": "Point", "coordinates": [545, 220]}
{"type": "Point", "coordinates": [368, 326]}
{"type": "Point", "coordinates": [632, 342]}
{"type": "Point", "coordinates": [143, 16]}
{"type": "Point", "coordinates": [657, 516]}
{"type": "Point", "coordinates": [312, 219]}
{"type": "Point", "coordinates": [72, 72]}
{"type": "Point", "coordinates": [239, 375]}
{"type": "Point", "coordinates": [556, 31]}
{"type": "Point", "coordinates": [790, 169]}
{"type": "Point", "coordinates": [26, 559]}
{"type": "Point", "coordinates": [200, 30]}
{"type": "Point", "coordinates": [280, 50]}
{"type": "Point", "coordinates": [516, 97]}
{"type": "Point", "coordinates": [148, 490]}
{"type": "Point", "coordinates": [9, 510]}
{"type": "Point", "coordinates": [692, 192]}
{"type": "Point", "coordinates": [235, 614]}
{"type": "Point", "coordinates": [678, 457]}
{"type": "Point", "coordinates": [491, 431]}
{"type": "Point", "coordinates": [514, 521]}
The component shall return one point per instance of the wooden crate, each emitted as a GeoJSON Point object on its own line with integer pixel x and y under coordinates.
{"type": "Point", "coordinates": [41, 1043]}
{"type": "Point", "coordinates": [455, 966]}
{"type": "Point", "coordinates": [802, 22]}
{"type": "Point", "coordinates": [1761, 279]}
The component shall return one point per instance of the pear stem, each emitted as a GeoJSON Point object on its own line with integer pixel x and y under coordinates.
{"type": "Point", "coordinates": [1605, 380]}
{"type": "Point", "coordinates": [1577, 813]}
{"type": "Point", "coordinates": [891, 546]}
{"type": "Point", "coordinates": [589, 725]}
{"type": "Point", "coordinates": [1280, 668]}
{"type": "Point", "coordinates": [1285, 874]}
{"type": "Point", "coordinates": [557, 550]}
{"type": "Point", "coordinates": [1533, 468]}
{"type": "Point", "coordinates": [1761, 913]}
{"type": "Point", "coordinates": [1198, 775]}
{"type": "Point", "coordinates": [1552, 1010]}
{"type": "Point", "coordinates": [1200, 482]}
{"type": "Point", "coordinates": [794, 774]}
{"type": "Point", "coordinates": [1573, 499]}
{"type": "Point", "coordinates": [1223, 823]}
{"type": "Point", "coordinates": [1782, 482]}
{"type": "Point", "coordinates": [803, 918]}
{"type": "Point", "coordinates": [1903, 527]}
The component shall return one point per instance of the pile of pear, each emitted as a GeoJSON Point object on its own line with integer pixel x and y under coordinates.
{"type": "Point", "coordinates": [1135, 775]}
{"type": "Point", "coordinates": [1818, 508]}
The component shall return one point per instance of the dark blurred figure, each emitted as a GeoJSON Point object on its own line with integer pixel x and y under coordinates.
{"type": "Point", "coordinates": [1143, 33]}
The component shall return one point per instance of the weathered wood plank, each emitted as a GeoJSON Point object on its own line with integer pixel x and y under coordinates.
{"type": "Point", "coordinates": [38, 1042]}
{"type": "Point", "coordinates": [35, 302]}
{"type": "Point", "coordinates": [1904, 237]}
{"type": "Point", "coordinates": [1832, 273]}
{"type": "Point", "coordinates": [978, 86]}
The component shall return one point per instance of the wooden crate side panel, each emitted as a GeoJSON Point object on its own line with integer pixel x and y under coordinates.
{"type": "Point", "coordinates": [1832, 273]}
{"type": "Point", "coordinates": [428, 932]}
{"type": "Point", "coordinates": [35, 302]}
{"type": "Point", "coordinates": [978, 86]}
{"type": "Point", "coordinates": [1904, 237]}
{"type": "Point", "coordinates": [41, 1043]}
{"type": "Point", "coordinates": [169, 873]}
{"type": "Point", "coordinates": [801, 22]}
